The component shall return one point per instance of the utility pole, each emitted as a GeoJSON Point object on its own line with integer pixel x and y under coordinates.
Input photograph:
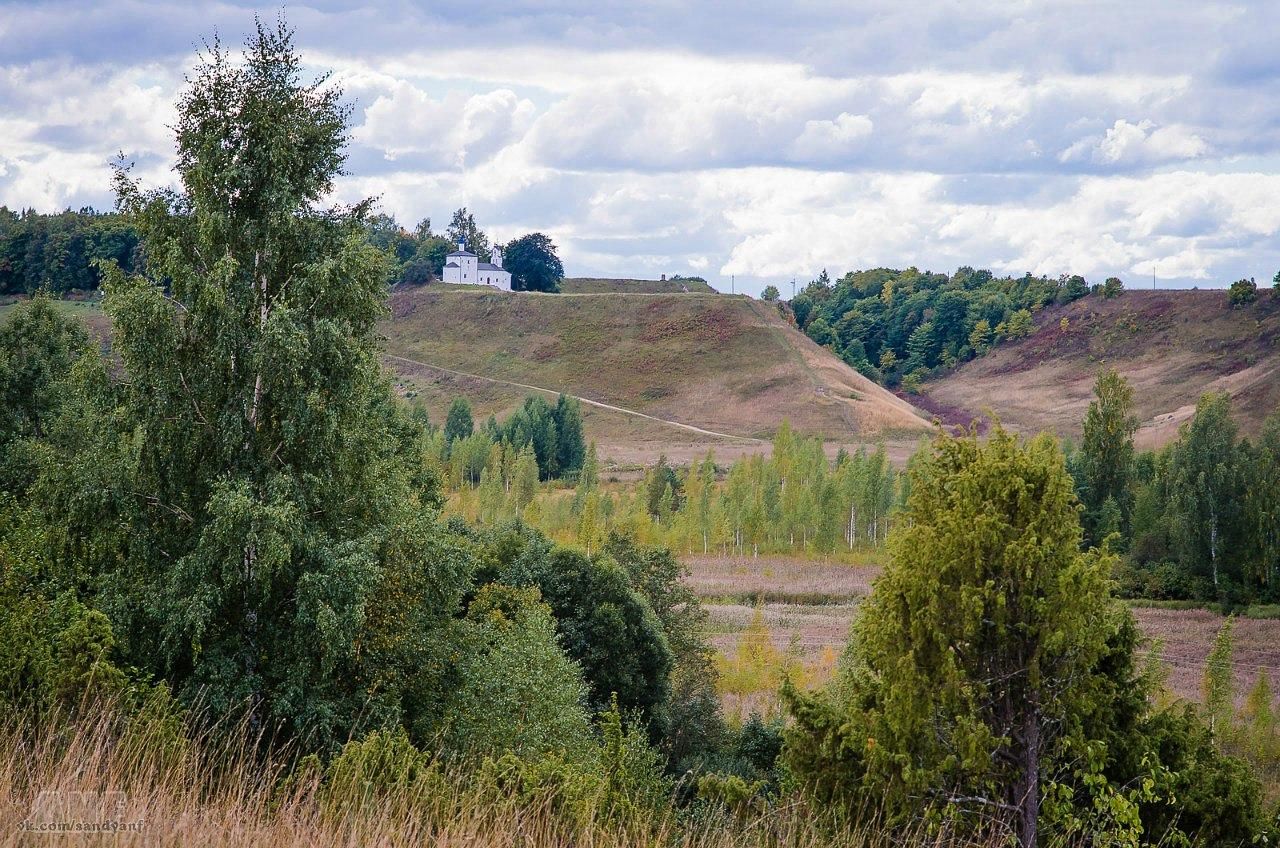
{"type": "Point", "coordinates": [733, 284]}
{"type": "Point", "coordinates": [793, 286]}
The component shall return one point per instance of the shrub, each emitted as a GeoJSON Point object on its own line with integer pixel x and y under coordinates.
{"type": "Point", "coordinates": [606, 626]}
{"type": "Point", "coordinates": [519, 692]}
{"type": "Point", "coordinates": [1112, 287]}
{"type": "Point", "coordinates": [1242, 292]}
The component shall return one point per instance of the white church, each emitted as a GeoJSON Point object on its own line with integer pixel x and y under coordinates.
{"type": "Point", "coordinates": [463, 266]}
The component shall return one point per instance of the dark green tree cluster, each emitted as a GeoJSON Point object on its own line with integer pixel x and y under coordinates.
{"type": "Point", "coordinates": [61, 252]}
{"type": "Point", "coordinates": [552, 432]}
{"type": "Point", "coordinates": [533, 263]}
{"type": "Point", "coordinates": [1197, 519]}
{"type": "Point", "coordinates": [889, 324]}
{"type": "Point", "coordinates": [990, 682]}
{"type": "Point", "coordinates": [1205, 522]}
{"type": "Point", "coordinates": [414, 258]}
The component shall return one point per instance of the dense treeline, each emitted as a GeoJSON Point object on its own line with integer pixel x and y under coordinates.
{"type": "Point", "coordinates": [233, 527]}
{"type": "Point", "coordinates": [538, 441]}
{"type": "Point", "coordinates": [1199, 519]}
{"type": "Point", "coordinates": [898, 326]}
{"type": "Point", "coordinates": [59, 253]}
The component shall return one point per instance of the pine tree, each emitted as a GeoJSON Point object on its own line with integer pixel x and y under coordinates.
{"type": "Point", "coordinates": [1260, 719]}
{"type": "Point", "coordinates": [525, 484]}
{"type": "Point", "coordinates": [977, 645]}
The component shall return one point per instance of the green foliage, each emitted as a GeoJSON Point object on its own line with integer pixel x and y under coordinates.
{"type": "Point", "coordinates": [38, 347]}
{"type": "Point", "coordinates": [1218, 688]}
{"type": "Point", "coordinates": [1113, 287]}
{"type": "Point", "coordinates": [247, 495]}
{"type": "Point", "coordinates": [458, 423]}
{"type": "Point", "coordinates": [463, 230]}
{"type": "Point", "coordinates": [382, 767]}
{"type": "Point", "coordinates": [608, 627]}
{"type": "Point", "coordinates": [973, 655]}
{"type": "Point", "coordinates": [1242, 292]}
{"type": "Point", "coordinates": [519, 692]}
{"type": "Point", "coordinates": [1106, 456]}
{"type": "Point", "coordinates": [61, 252]}
{"type": "Point", "coordinates": [770, 294]}
{"type": "Point", "coordinates": [533, 263]}
{"type": "Point", "coordinates": [907, 320]}
{"type": "Point", "coordinates": [1204, 525]}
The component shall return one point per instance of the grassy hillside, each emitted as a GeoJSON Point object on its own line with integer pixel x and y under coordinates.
{"type": "Point", "coordinates": [725, 364]}
{"type": "Point", "coordinates": [1171, 345]}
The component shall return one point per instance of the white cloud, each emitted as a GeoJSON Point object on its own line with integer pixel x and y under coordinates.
{"type": "Point", "coordinates": [1142, 143]}
{"type": "Point", "coordinates": [766, 143]}
{"type": "Point", "coordinates": [451, 133]}
{"type": "Point", "coordinates": [824, 139]}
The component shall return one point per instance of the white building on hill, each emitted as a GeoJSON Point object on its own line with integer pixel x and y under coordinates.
{"type": "Point", "coordinates": [462, 266]}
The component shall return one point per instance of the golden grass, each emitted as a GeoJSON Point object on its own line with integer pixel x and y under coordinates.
{"type": "Point", "coordinates": [218, 793]}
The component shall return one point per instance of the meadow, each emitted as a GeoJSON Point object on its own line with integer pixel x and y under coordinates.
{"type": "Point", "coordinates": [806, 606]}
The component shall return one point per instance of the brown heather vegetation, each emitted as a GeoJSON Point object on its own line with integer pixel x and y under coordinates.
{"type": "Point", "coordinates": [1172, 347]}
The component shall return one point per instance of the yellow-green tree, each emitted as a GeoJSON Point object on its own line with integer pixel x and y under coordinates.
{"type": "Point", "coordinates": [976, 649]}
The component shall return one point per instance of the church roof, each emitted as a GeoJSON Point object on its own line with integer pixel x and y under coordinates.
{"type": "Point", "coordinates": [489, 266]}
{"type": "Point", "coordinates": [462, 253]}
{"type": "Point", "coordinates": [452, 265]}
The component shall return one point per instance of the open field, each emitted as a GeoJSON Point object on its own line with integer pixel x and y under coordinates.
{"type": "Point", "coordinates": [808, 607]}
{"type": "Point", "coordinates": [1171, 345]}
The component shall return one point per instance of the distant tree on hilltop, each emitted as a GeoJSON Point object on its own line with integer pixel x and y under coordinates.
{"type": "Point", "coordinates": [1242, 292]}
{"type": "Point", "coordinates": [533, 263]}
{"type": "Point", "coordinates": [463, 229]}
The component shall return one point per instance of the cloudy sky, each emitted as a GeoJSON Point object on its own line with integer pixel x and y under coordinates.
{"type": "Point", "coordinates": [761, 140]}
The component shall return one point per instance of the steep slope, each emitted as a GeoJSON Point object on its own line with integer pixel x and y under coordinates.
{"type": "Point", "coordinates": [1172, 346]}
{"type": "Point", "coordinates": [723, 364]}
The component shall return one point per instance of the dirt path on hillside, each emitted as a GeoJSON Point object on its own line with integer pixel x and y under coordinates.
{"type": "Point", "coordinates": [598, 404]}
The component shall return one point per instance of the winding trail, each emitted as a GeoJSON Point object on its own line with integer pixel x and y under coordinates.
{"type": "Point", "coordinates": [598, 404]}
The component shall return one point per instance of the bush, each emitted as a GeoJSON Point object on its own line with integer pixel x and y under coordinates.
{"type": "Point", "coordinates": [1113, 287]}
{"type": "Point", "coordinates": [606, 626]}
{"type": "Point", "coordinates": [1242, 292]}
{"type": "Point", "coordinates": [519, 693]}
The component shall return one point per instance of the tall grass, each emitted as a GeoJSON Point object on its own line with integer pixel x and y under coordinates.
{"type": "Point", "coordinates": [211, 788]}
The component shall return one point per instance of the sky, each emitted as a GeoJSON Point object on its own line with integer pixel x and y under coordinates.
{"type": "Point", "coordinates": [747, 143]}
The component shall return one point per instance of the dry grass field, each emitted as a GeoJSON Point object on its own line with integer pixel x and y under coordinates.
{"type": "Point", "coordinates": [724, 364]}
{"type": "Point", "coordinates": [808, 607]}
{"type": "Point", "coordinates": [1172, 346]}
